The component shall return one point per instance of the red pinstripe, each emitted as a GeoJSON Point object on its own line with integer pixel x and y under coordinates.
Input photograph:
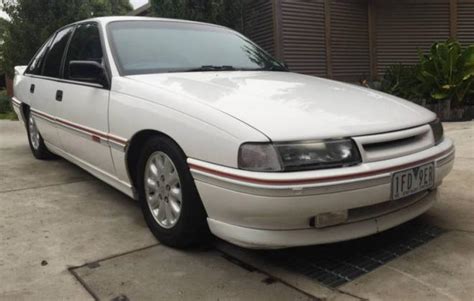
{"type": "Point", "coordinates": [93, 133]}
{"type": "Point", "coordinates": [317, 180]}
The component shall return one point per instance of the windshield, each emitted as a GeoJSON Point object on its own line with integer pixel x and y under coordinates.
{"type": "Point", "coordinates": [160, 46]}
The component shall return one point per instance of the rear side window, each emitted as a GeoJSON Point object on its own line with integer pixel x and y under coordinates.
{"type": "Point", "coordinates": [52, 63]}
{"type": "Point", "coordinates": [85, 46]}
{"type": "Point", "coordinates": [36, 63]}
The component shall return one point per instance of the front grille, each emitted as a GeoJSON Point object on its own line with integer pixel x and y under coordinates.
{"type": "Point", "coordinates": [378, 146]}
{"type": "Point", "coordinates": [395, 144]}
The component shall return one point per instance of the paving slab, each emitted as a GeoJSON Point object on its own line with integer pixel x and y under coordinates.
{"type": "Point", "coordinates": [455, 208]}
{"type": "Point", "coordinates": [64, 225]}
{"type": "Point", "coordinates": [442, 269]}
{"type": "Point", "coordinates": [54, 215]}
{"type": "Point", "coordinates": [463, 135]}
{"type": "Point", "coordinates": [12, 134]}
{"type": "Point", "coordinates": [161, 273]}
{"type": "Point", "coordinates": [20, 170]}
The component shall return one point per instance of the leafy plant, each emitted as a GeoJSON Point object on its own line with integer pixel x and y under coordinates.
{"type": "Point", "coordinates": [447, 72]}
{"type": "Point", "coordinates": [402, 81]}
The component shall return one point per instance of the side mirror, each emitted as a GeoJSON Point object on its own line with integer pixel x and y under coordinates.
{"type": "Point", "coordinates": [88, 71]}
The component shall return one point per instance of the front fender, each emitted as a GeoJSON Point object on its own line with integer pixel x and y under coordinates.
{"type": "Point", "coordinates": [202, 132]}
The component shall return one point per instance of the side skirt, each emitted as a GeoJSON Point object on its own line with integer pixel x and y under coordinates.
{"type": "Point", "coordinates": [113, 181]}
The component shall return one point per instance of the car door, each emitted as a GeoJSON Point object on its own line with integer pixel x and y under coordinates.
{"type": "Point", "coordinates": [44, 73]}
{"type": "Point", "coordinates": [83, 105]}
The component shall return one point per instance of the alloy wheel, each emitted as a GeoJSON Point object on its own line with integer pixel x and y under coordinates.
{"type": "Point", "coordinates": [34, 133]}
{"type": "Point", "coordinates": [163, 189]}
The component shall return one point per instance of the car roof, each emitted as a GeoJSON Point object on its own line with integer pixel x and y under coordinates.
{"type": "Point", "coordinates": [106, 20]}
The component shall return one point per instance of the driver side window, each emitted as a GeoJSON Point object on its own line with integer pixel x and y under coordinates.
{"type": "Point", "coordinates": [84, 46]}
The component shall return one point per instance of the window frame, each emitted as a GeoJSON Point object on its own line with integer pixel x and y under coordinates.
{"type": "Point", "coordinates": [44, 46]}
{"type": "Point", "coordinates": [65, 55]}
{"type": "Point", "coordinates": [60, 76]}
{"type": "Point", "coordinates": [105, 59]}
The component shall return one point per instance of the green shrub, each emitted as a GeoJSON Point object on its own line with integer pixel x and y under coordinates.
{"type": "Point", "coordinates": [447, 72]}
{"type": "Point", "coordinates": [5, 106]}
{"type": "Point", "coordinates": [6, 110]}
{"type": "Point", "coordinates": [401, 80]}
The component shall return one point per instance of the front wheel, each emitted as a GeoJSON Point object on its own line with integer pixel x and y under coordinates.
{"type": "Point", "coordinates": [168, 196]}
{"type": "Point", "coordinates": [37, 146]}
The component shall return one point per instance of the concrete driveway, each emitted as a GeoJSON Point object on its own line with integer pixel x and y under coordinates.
{"type": "Point", "coordinates": [66, 236]}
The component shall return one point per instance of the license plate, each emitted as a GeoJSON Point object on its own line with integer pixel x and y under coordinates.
{"type": "Point", "coordinates": [411, 181]}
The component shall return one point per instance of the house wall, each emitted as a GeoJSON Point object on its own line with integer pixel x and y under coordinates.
{"type": "Point", "coordinates": [258, 24]}
{"type": "Point", "coordinates": [465, 22]}
{"type": "Point", "coordinates": [315, 37]}
{"type": "Point", "coordinates": [302, 37]}
{"type": "Point", "coordinates": [351, 40]}
{"type": "Point", "coordinates": [350, 57]}
{"type": "Point", "coordinates": [404, 26]}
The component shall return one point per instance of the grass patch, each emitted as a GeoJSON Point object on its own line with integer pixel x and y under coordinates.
{"type": "Point", "coordinates": [8, 116]}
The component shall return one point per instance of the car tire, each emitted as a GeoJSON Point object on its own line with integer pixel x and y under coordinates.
{"type": "Point", "coordinates": [36, 142]}
{"type": "Point", "coordinates": [168, 195]}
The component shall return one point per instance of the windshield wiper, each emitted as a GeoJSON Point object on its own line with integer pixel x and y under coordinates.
{"type": "Point", "coordinates": [232, 68]}
{"type": "Point", "coordinates": [212, 68]}
{"type": "Point", "coordinates": [275, 68]}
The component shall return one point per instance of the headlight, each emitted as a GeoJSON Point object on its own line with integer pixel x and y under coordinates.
{"type": "Point", "coordinates": [438, 131]}
{"type": "Point", "coordinates": [258, 157]}
{"type": "Point", "coordinates": [298, 156]}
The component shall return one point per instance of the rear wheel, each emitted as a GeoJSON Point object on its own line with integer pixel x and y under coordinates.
{"type": "Point", "coordinates": [168, 196]}
{"type": "Point", "coordinates": [37, 146]}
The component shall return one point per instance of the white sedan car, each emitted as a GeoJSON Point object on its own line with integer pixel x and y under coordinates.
{"type": "Point", "coordinates": [212, 135]}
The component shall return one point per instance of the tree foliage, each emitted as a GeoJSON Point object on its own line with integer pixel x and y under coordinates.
{"type": "Point", "coordinates": [33, 21]}
{"type": "Point", "coordinates": [223, 12]}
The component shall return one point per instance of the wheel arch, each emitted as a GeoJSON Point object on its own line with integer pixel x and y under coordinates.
{"type": "Point", "coordinates": [24, 111]}
{"type": "Point", "coordinates": [133, 151]}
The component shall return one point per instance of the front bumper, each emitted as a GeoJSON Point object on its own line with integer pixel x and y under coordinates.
{"type": "Point", "coordinates": [273, 210]}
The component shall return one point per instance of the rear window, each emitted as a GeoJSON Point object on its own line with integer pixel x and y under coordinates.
{"type": "Point", "coordinates": [36, 63]}
{"type": "Point", "coordinates": [52, 63]}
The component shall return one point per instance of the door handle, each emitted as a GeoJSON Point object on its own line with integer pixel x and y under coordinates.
{"type": "Point", "coordinates": [32, 88]}
{"type": "Point", "coordinates": [59, 95]}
